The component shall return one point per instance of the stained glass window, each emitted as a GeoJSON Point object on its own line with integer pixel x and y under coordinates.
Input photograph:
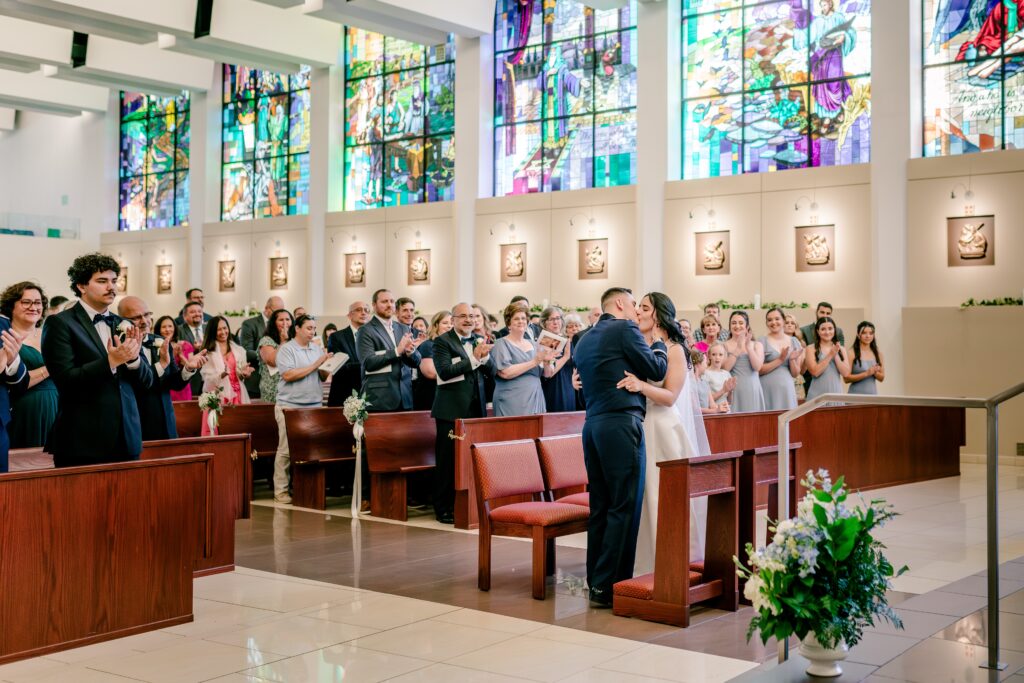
{"type": "Point", "coordinates": [265, 143]}
{"type": "Point", "coordinates": [400, 121]}
{"type": "Point", "coordinates": [770, 85]}
{"type": "Point", "coordinates": [564, 96]}
{"type": "Point", "coordinates": [973, 76]}
{"type": "Point", "coordinates": [153, 177]}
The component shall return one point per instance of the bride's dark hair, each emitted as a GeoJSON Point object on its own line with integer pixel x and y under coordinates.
{"type": "Point", "coordinates": [665, 318]}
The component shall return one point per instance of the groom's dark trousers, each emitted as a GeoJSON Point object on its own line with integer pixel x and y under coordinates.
{"type": "Point", "coordinates": [613, 444]}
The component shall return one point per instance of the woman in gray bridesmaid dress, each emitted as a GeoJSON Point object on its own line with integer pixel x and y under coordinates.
{"type": "Point", "coordinates": [746, 355]}
{"type": "Point", "coordinates": [777, 383]}
{"type": "Point", "coordinates": [826, 360]}
{"type": "Point", "coordinates": [867, 368]}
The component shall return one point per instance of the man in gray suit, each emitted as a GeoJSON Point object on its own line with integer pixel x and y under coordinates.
{"type": "Point", "coordinates": [249, 335]}
{"type": "Point", "coordinates": [388, 353]}
{"type": "Point", "coordinates": [193, 330]}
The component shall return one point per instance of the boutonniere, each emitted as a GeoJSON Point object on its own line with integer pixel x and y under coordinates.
{"type": "Point", "coordinates": [158, 342]}
{"type": "Point", "coordinates": [124, 326]}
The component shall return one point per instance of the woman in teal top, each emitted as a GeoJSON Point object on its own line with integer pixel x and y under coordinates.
{"type": "Point", "coordinates": [867, 369]}
{"type": "Point", "coordinates": [35, 411]}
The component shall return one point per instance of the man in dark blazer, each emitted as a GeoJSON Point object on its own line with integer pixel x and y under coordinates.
{"type": "Point", "coordinates": [613, 437]}
{"type": "Point", "coordinates": [93, 358]}
{"type": "Point", "coordinates": [193, 330]}
{"type": "Point", "coordinates": [156, 412]}
{"type": "Point", "coordinates": [249, 335]}
{"type": "Point", "coordinates": [349, 377]}
{"type": "Point", "coordinates": [194, 295]}
{"type": "Point", "coordinates": [460, 360]}
{"type": "Point", "coordinates": [388, 354]}
{"type": "Point", "coordinates": [13, 382]}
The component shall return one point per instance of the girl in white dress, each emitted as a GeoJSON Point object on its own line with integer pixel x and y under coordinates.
{"type": "Point", "coordinates": [673, 427]}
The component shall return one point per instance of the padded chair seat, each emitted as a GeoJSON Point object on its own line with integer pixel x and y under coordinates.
{"type": "Point", "coordinates": [539, 514]}
{"type": "Point", "coordinates": [642, 587]}
{"type": "Point", "coordinates": [576, 499]}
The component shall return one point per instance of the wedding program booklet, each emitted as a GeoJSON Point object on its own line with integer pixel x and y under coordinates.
{"type": "Point", "coordinates": [553, 341]}
{"type": "Point", "coordinates": [334, 363]}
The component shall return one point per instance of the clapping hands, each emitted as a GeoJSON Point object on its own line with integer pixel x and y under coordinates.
{"type": "Point", "coordinates": [12, 346]}
{"type": "Point", "coordinates": [481, 350]}
{"type": "Point", "coordinates": [121, 352]}
{"type": "Point", "coordinates": [196, 360]}
{"type": "Point", "coordinates": [408, 344]}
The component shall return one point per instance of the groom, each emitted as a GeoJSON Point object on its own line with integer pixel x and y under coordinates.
{"type": "Point", "coordinates": [613, 437]}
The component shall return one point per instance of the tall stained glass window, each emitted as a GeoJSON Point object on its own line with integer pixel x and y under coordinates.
{"type": "Point", "coordinates": [153, 161]}
{"type": "Point", "coordinates": [564, 96]}
{"type": "Point", "coordinates": [265, 143]}
{"type": "Point", "coordinates": [400, 121]}
{"type": "Point", "coordinates": [770, 85]}
{"type": "Point", "coordinates": [973, 76]}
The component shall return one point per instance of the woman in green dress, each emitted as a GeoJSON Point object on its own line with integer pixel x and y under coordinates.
{"type": "Point", "coordinates": [278, 331]}
{"type": "Point", "coordinates": [35, 411]}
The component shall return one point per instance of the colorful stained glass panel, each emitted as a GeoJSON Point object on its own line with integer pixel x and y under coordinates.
{"type": "Point", "coordinates": [615, 149]}
{"type": "Point", "coordinates": [712, 54]}
{"type": "Point", "coordinates": [440, 99]}
{"type": "Point", "coordinates": [712, 137]}
{"type": "Point", "coordinates": [236, 191]}
{"type": "Point", "coordinates": [403, 172]}
{"type": "Point", "coordinates": [271, 187]}
{"type": "Point", "coordinates": [518, 159]}
{"type": "Point", "coordinates": [961, 114]}
{"type": "Point", "coordinates": [615, 73]}
{"type": "Point", "coordinates": [440, 159]}
{"type": "Point", "coordinates": [404, 104]}
{"type": "Point", "coordinates": [364, 53]}
{"type": "Point", "coordinates": [517, 24]}
{"type": "Point", "coordinates": [363, 171]}
{"type": "Point", "coordinates": [363, 105]}
{"type": "Point", "coordinates": [298, 184]}
{"type": "Point", "coordinates": [160, 200]}
{"type": "Point", "coordinates": [133, 204]}
{"type": "Point", "coordinates": [181, 197]}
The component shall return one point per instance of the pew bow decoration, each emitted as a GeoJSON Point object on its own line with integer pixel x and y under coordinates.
{"type": "Point", "coordinates": [213, 402]}
{"type": "Point", "coordinates": [355, 411]}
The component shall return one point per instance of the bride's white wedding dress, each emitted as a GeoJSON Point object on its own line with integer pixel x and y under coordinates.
{"type": "Point", "coordinates": [671, 433]}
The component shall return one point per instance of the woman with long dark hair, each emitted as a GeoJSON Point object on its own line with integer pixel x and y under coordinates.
{"type": "Point", "coordinates": [744, 360]}
{"type": "Point", "coordinates": [867, 368]}
{"type": "Point", "coordinates": [783, 361]}
{"type": "Point", "coordinates": [279, 331]}
{"type": "Point", "coordinates": [673, 426]}
{"type": "Point", "coordinates": [226, 366]}
{"type": "Point", "coordinates": [180, 349]}
{"type": "Point", "coordinates": [825, 360]}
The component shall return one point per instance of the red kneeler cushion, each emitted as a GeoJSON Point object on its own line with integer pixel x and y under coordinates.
{"type": "Point", "coordinates": [539, 514]}
{"type": "Point", "coordinates": [576, 499]}
{"type": "Point", "coordinates": [642, 587]}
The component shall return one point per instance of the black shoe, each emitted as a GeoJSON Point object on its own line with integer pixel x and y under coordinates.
{"type": "Point", "coordinates": [600, 599]}
{"type": "Point", "coordinates": [446, 518]}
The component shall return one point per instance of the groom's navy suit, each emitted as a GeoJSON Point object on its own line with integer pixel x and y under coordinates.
{"type": "Point", "coordinates": [613, 444]}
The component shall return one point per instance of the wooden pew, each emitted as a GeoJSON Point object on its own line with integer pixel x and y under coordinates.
{"type": "Point", "coordinates": [666, 594]}
{"type": "Point", "coordinates": [229, 501]}
{"type": "Point", "coordinates": [562, 424]}
{"type": "Point", "coordinates": [188, 418]}
{"type": "Point", "coordinates": [317, 439]}
{"type": "Point", "coordinates": [25, 459]}
{"type": "Point", "coordinates": [397, 445]}
{"type": "Point", "coordinates": [98, 552]}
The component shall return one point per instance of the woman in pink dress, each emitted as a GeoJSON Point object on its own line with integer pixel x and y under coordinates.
{"type": "Point", "coordinates": [226, 367]}
{"type": "Point", "coordinates": [181, 349]}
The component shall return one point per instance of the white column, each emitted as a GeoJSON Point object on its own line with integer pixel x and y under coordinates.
{"type": "Point", "coordinates": [324, 174]}
{"type": "Point", "coordinates": [199, 169]}
{"type": "Point", "coordinates": [657, 140]}
{"type": "Point", "coordinates": [474, 155]}
{"type": "Point", "coordinates": [894, 64]}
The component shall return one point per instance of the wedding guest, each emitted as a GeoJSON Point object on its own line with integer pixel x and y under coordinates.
{"type": "Point", "coordinates": [715, 312]}
{"type": "Point", "coordinates": [699, 360]}
{"type": "Point", "coordinates": [710, 330]}
{"type": "Point", "coordinates": [783, 360]}
{"type": "Point", "coordinates": [424, 387]}
{"type": "Point", "coordinates": [825, 360]}
{"type": "Point", "coordinates": [249, 335]}
{"type": "Point", "coordinates": [480, 326]}
{"type": "Point", "coordinates": [532, 330]}
{"type": "Point", "coordinates": [329, 329]}
{"type": "Point", "coordinates": [593, 315]}
{"type": "Point", "coordinates": [573, 325]}
{"type": "Point", "coordinates": [194, 295]}
{"type": "Point", "coordinates": [226, 366]}
{"type": "Point", "coordinates": [93, 358]}
{"type": "Point", "coordinates": [534, 320]}
{"type": "Point", "coordinates": [405, 311]}
{"type": "Point", "coordinates": [180, 350]}
{"type": "Point", "coordinates": [517, 361]}
{"type": "Point", "coordinates": [575, 329]}
{"type": "Point", "coordinates": [806, 334]}
{"type": "Point", "coordinates": [744, 361]}
{"type": "Point", "coordinates": [348, 378]}
{"type": "Point", "coordinates": [194, 332]}
{"type": "Point", "coordinates": [33, 412]}
{"type": "Point", "coordinates": [279, 331]}
{"type": "Point", "coordinates": [298, 312]}
{"type": "Point", "coordinates": [791, 328]}
{"type": "Point", "coordinates": [56, 305]}
{"type": "Point", "coordinates": [420, 326]}
{"type": "Point", "coordinates": [155, 409]}
{"type": "Point", "coordinates": [687, 329]}
{"type": "Point", "coordinates": [298, 386]}
{"type": "Point", "coordinates": [559, 396]}
{"type": "Point", "coordinates": [388, 354]}
{"type": "Point", "coordinates": [867, 368]}
{"type": "Point", "coordinates": [718, 378]}
{"type": "Point", "coordinates": [492, 324]}
{"type": "Point", "coordinates": [13, 381]}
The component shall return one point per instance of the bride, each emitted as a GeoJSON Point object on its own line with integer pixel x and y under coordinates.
{"type": "Point", "coordinates": [673, 428]}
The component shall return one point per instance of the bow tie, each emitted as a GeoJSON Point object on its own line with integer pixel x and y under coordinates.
{"type": "Point", "coordinates": [101, 318]}
{"type": "Point", "coordinates": [467, 340]}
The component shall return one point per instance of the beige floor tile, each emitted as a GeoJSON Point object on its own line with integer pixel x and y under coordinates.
{"type": "Point", "coordinates": [535, 658]}
{"type": "Point", "coordinates": [81, 674]}
{"type": "Point", "coordinates": [269, 594]}
{"type": "Point", "coordinates": [445, 673]}
{"type": "Point", "coordinates": [677, 665]}
{"type": "Point", "coordinates": [212, 618]}
{"type": "Point", "coordinates": [916, 584]}
{"type": "Point", "coordinates": [605, 676]}
{"type": "Point", "coordinates": [143, 642]}
{"type": "Point", "coordinates": [379, 611]}
{"type": "Point", "coordinates": [578, 637]}
{"type": "Point", "coordinates": [433, 640]}
{"type": "Point", "coordinates": [492, 622]}
{"type": "Point", "coordinates": [338, 664]}
{"type": "Point", "coordinates": [194, 660]}
{"type": "Point", "coordinates": [30, 669]}
{"type": "Point", "coordinates": [293, 636]}
{"type": "Point", "coordinates": [935, 660]}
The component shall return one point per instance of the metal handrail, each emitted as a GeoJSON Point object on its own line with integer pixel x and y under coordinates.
{"type": "Point", "coordinates": [991, 408]}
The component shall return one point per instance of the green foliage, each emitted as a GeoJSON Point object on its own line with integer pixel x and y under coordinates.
{"type": "Point", "coordinates": [1005, 301]}
{"type": "Point", "coordinates": [766, 305]}
{"type": "Point", "coordinates": [823, 571]}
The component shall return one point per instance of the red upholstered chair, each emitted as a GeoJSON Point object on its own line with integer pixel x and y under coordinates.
{"type": "Point", "coordinates": [564, 467]}
{"type": "Point", "coordinates": [509, 469]}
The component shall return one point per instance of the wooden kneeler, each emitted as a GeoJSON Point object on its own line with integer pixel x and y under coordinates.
{"type": "Point", "coordinates": [665, 596]}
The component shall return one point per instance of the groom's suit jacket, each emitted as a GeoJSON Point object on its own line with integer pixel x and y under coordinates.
{"type": "Point", "coordinates": [98, 416]}
{"type": "Point", "coordinates": [387, 376]}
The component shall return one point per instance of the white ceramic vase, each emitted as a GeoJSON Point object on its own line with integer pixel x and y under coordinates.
{"type": "Point", "coordinates": [824, 661]}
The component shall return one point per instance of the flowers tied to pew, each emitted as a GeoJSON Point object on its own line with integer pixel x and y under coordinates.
{"type": "Point", "coordinates": [213, 402]}
{"type": "Point", "coordinates": [355, 409]}
{"type": "Point", "coordinates": [823, 572]}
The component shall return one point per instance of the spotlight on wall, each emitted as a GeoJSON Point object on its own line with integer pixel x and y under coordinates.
{"type": "Point", "coordinates": [710, 213]}
{"type": "Point", "coordinates": [968, 193]}
{"type": "Point", "coordinates": [813, 203]}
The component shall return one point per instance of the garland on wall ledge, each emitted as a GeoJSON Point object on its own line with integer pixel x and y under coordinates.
{"type": "Point", "coordinates": [766, 305]}
{"type": "Point", "coordinates": [1005, 301]}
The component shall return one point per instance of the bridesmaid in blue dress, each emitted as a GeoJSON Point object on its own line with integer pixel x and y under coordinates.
{"type": "Point", "coordinates": [519, 363]}
{"type": "Point", "coordinates": [783, 361]}
{"type": "Point", "coordinates": [867, 368]}
{"type": "Point", "coordinates": [826, 360]}
{"type": "Point", "coordinates": [746, 356]}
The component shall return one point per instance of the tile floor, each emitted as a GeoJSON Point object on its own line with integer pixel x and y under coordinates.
{"type": "Point", "coordinates": [318, 598]}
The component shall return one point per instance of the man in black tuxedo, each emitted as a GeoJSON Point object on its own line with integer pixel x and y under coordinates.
{"type": "Point", "coordinates": [155, 409]}
{"type": "Point", "coordinates": [532, 330]}
{"type": "Point", "coordinates": [460, 360]}
{"type": "Point", "coordinates": [249, 335]}
{"type": "Point", "coordinates": [193, 330]}
{"type": "Point", "coordinates": [13, 382]}
{"type": "Point", "coordinates": [348, 378]}
{"type": "Point", "coordinates": [613, 437]}
{"type": "Point", "coordinates": [194, 295]}
{"type": "Point", "coordinates": [388, 354]}
{"type": "Point", "coordinates": [93, 358]}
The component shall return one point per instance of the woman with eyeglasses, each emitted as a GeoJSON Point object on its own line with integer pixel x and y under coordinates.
{"type": "Point", "coordinates": [35, 411]}
{"type": "Point", "coordinates": [559, 396]}
{"type": "Point", "coordinates": [425, 386]}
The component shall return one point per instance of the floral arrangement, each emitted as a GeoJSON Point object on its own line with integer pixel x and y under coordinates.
{"type": "Point", "coordinates": [213, 402]}
{"type": "Point", "coordinates": [765, 305]}
{"type": "Point", "coordinates": [823, 572]}
{"type": "Point", "coordinates": [355, 408]}
{"type": "Point", "coordinates": [355, 411]}
{"type": "Point", "coordinates": [1005, 301]}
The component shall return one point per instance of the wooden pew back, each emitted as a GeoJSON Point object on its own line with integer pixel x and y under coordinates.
{"type": "Point", "coordinates": [400, 442]}
{"type": "Point", "coordinates": [256, 420]}
{"type": "Point", "coordinates": [318, 435]}
{"type": "Point", "coordinates": [188, 418]}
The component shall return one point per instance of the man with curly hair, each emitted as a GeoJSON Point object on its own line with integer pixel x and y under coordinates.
{"type": "Point", "coordinates": [93, 358]}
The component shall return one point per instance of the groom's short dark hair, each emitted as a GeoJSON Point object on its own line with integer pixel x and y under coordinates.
{"type": "Point", "coordinates": [610, 294]}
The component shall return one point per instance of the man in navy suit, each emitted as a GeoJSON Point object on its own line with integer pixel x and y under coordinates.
{"type": "Point", "coordinates": [388, 354]}
{"type": "Point", "coordinates": [613, 437]}
{"type": "Point", "coordinates": [13, 381]}
{"type": "Point", "coordinates": [156, 412]}
{"type": "Point", "coordinates": [349, 377]}
{"type": "Point", "coordinates": [93, 358]}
